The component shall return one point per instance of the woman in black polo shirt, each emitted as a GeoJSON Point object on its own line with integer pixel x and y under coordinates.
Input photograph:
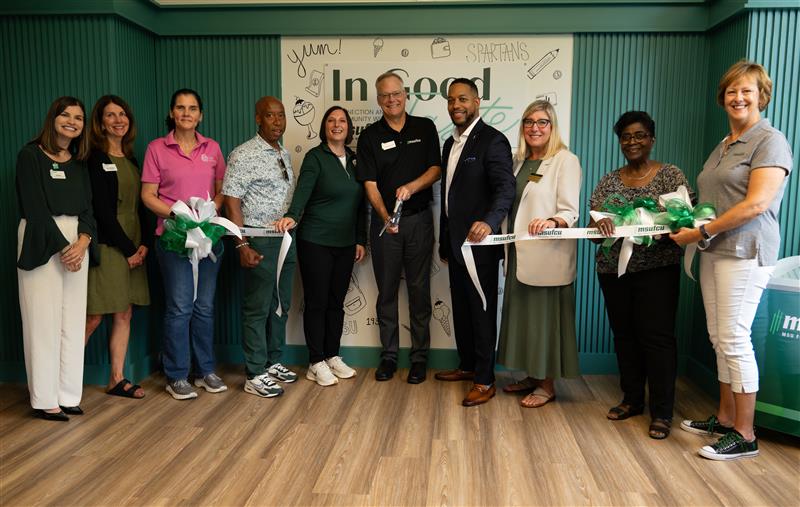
{"type": "Point", "coordinates": [54, 234]}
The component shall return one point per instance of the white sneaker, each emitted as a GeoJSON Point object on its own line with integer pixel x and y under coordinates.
{"type": "Point", "coordinates": [262, 385]}
{"type": "Point", "coordinates": [281, 373]}
{"type": "Point", "coordinates": [321, 374]}
{"type": "Point", "coordinates": [339, 368]}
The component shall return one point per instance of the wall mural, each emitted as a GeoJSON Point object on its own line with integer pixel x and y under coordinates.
{"type": "Point", "coordinates": [510, 72]}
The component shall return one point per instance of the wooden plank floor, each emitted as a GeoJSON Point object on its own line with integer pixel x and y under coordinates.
{"type": "Point", "coordinates": [369, 443]}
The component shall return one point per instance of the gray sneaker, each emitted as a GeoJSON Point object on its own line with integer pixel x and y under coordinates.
{"type": "Point", "coordinates": [262, 385]}
{"type": "Point", "coordinates": [281, 373]}
{"type": "Point", "coordinates": [211, 383]}
{"type": "Point", "coordinates": [181, 389]}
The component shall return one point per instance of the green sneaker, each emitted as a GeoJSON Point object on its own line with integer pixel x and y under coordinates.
{"type": "Point", "coordinates": [710, 426]}
{"type": "Point", "coordinates": [729, 447]}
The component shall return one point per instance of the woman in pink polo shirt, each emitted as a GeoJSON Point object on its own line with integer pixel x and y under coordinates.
{"type": "Point", "coordinates": [181, 165]}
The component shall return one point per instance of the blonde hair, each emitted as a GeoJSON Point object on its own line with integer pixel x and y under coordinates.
{"type": "Point", "coordinates": [554, 144]}
{"type": "Point", "coordinates": [747, 68]}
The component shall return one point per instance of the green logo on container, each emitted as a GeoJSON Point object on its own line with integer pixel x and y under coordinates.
{"type": "Point", "coordinates": [787, 326]}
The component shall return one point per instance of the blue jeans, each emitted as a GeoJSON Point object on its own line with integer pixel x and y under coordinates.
{"type": "Point", "coordinates": [188, 326]}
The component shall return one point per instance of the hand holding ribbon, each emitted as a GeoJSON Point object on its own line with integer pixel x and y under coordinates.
{"type": "Point", "coordinates": [680, 213]}
{"type": "Point", "coordinates": [194, 231]}
{"type": "Point", "coordinates": [622, 212]}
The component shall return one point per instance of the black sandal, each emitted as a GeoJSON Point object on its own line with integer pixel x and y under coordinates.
{"type": "Point", "coordinates": [624, 411]}
{"type": "Point", "coordinates": [660, 428]}
{"type": "Point", "coordinates": [119, 390]}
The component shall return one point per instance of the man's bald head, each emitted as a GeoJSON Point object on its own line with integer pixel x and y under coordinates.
{"type": "Point", "coordinates": [263, 102]}
{"type": "Point", "coordinates": [271, 119]}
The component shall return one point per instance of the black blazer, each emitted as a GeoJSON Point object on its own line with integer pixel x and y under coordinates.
{"type": "Point", "coordinates": [105, 196]}
{"type": "Point", "coordinates": [483, 189]}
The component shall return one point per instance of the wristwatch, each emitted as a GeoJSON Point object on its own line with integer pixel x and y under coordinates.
{"type": "Point", "coordinates": [706, 236]}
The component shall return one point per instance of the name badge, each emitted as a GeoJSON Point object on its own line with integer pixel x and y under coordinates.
{"type": "Point", "coordinates": [58, 175]}
{"type": "Point", "coordinates": [388, 146]}
{"type": "Point", "coordinates": [110, 168]}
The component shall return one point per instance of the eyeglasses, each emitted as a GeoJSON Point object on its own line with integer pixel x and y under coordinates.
{"type": "Point", "coordinates": [636, 136]}
{"type": "Point", "coordinates": [528, 123]}
{"type": "Point", "coordinates": [283, 167]}
{"type": "Point", "coordinates": [394, 95]}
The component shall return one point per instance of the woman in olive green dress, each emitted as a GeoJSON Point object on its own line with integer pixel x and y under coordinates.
{"type": "Point", "coordinates": [537, 330]}
{"type": "Point", "coordinates": [120, 280]}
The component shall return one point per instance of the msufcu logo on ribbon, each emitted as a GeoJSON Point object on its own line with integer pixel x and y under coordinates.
{"type": "Point", "coordinates": [787, 326]}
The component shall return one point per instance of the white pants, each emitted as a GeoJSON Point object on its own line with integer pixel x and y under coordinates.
{"type": "Point", "coordinates": [732, 289]}
{"type": "Point", "coordinates": [52, 302]}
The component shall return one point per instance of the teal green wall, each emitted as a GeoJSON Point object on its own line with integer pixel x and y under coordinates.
{"type": "Point", "coordinates": [670, 72]}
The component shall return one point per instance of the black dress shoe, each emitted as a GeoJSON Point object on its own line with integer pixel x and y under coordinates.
{"type": "Point", "coordinates": [52, 416]}
{"type": "Point", "coordinates": [76, 410]}
{"type": "Point", "coordinates": [416, 375]}
{"type": "Point", "coordinates": [385, 370]}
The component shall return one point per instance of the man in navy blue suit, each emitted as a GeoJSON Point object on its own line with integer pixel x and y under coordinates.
{"type": "Point", "coordinates": [478, 189]}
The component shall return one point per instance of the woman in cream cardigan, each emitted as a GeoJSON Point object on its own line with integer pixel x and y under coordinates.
{"type": "Point", "coordinates": [537, 331]}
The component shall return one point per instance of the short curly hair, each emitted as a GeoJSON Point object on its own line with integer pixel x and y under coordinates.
{"type": "Point", "coordinates": [632, 117]}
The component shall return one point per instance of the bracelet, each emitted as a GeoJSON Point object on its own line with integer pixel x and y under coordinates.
{"type": "Point", "coordinates": [242, 244]}
{"type": "Point", "coordinates": [87, 235]}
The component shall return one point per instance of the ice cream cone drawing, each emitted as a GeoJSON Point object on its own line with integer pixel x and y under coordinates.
{"type": "Point", "coordinates": [304, 115]}
{"type": "Point", "coordinates": [354, 300]}
{"type": "Point", "coordinates": [377, 45]}
{"type": "Point", "coordinates": [441, 312]}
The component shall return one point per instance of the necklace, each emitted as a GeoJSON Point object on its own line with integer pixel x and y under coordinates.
{"type": "Point", "coordinates": [639, 177]}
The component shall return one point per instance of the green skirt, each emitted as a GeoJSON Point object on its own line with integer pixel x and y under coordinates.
{"type": "Point", "coordinates": [113, 286]}
{"type": "Point", "coordinates": [537, 330]}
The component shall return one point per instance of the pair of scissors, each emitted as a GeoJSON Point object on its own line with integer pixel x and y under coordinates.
{"type": "Point", "coordinates": [394, 220]}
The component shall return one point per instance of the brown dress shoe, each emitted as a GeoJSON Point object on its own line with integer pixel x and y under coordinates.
{"type": "Point", "coordinates": [479, 394]}
{"type": "Point", "coordinates": [454, 375]}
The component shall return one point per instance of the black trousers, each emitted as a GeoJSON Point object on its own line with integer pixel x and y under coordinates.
{"type": "Point", "coordinates": [476, 329]}
{"type": "Point", "coordinates": [409, 251]}
{"type": "Point", "coordinates": [326, 274]}
{"type": "Point", "coordinates": [641, 310]}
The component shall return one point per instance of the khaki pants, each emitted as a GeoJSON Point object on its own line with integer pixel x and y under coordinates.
{"type": "Point", "coordinates": [52, 302]}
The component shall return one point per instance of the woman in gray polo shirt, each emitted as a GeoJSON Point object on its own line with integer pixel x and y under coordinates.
{"type": "Point", "coordinates": [744, 177]}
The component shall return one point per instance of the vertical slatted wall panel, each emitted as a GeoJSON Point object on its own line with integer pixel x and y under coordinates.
{"type": "Point", "coordinates": [663, 74]}
{"type": "Point", "coordinates": [42, 58]}
{"type": "Point", "coordinates": [728, 44]}
{"type": "Point", "coordinates": [230, 74]}
{"type": "Point", "coordinates": [775, 43]}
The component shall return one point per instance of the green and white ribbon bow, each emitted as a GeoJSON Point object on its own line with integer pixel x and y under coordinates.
{"type": "Point", "coordinates": [194, 231]}
{"type": "Point", "coordinates": [623, 212]}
